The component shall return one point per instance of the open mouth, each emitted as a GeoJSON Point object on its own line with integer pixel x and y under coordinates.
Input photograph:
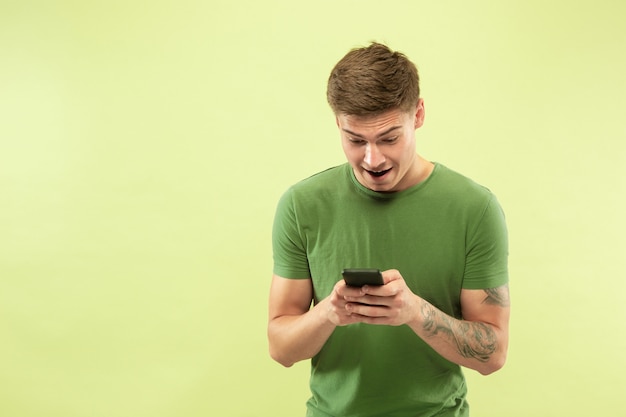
{"type": "Point", "coordinates": [378, 174]}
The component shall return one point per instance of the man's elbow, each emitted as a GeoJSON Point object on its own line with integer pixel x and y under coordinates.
{"type": "Point", "coordinates": [276, 352]}
{"type": "Point", "coordinates": [276, 355]}
{"type": "Point", "coordinates": [495, 363]}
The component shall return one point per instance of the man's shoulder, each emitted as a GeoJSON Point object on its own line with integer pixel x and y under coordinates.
{"type": "Point", "coordinates": [454, 182]}
{"type": "Point", "coordinates": [317, 193]}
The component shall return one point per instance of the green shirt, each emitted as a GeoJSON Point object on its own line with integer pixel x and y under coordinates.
{"type": "Point", "coordinates": [444, 234]}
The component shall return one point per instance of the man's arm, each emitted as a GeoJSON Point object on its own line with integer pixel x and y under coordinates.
{"type": "Point", "coordinates": [479, 341]}
{"type": "Point", "coordinates": [295, 330]}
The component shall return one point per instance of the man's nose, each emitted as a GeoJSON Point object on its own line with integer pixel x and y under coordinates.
{"type": "Point", "coordinates": [373, 156]}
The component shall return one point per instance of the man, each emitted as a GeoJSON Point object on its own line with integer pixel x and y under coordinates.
{"type": "Point", "coordinates": [440, 239]}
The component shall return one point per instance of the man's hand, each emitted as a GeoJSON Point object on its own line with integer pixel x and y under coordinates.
{"type": "Point", "coordinates": [390, 304]}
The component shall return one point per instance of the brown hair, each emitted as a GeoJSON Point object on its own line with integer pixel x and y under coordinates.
{"type": "Point", "coordinates": [371, 80]}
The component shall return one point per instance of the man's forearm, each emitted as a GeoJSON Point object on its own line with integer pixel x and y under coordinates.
{"type": "Point", "coordinates": [296, 338]}
{"type": "Point", "coordinates": [472, 344]}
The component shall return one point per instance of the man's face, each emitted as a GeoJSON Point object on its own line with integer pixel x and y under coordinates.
{"type": "Point", "coordinates": [381, 149]}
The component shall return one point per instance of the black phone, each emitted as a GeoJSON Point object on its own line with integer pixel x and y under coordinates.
{"type": "Point", "coordinates": [357, 277]}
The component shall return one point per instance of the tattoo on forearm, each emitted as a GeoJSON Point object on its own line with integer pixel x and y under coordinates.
{"type": "Point", "coordinates": [498, 296]}
{"type": "Point", "coordinates": [471, 339]}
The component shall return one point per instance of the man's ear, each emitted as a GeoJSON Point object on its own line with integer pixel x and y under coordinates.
{"type": "Point", "coordinates": [419, 113]}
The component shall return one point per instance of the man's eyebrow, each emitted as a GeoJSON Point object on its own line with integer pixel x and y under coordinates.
{"type": "Point", "coordinates": [386, 132]}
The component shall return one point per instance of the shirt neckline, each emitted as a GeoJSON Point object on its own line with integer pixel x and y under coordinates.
{"type": "Point", "coordinates": [395, 194]}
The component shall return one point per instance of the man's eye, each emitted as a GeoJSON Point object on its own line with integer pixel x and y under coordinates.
{"type": "Point", "coordinates": [390, 140]}
{"type": "Point", "coordinates": [356, 141]}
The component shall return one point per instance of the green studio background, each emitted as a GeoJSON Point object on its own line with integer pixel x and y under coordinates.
{"type": "Point", "coordinates": [144, 145]}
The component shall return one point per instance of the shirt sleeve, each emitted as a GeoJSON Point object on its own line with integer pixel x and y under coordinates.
{"type": "Point", "coordinates": [486, 261]}
{"type": "Point", "coordinates": [288, 242]}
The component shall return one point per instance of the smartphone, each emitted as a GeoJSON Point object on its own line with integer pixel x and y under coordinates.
{"type": "Point", "coordinates": [357, 277]}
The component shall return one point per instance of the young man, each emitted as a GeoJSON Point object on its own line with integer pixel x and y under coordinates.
{"type": "Point", "coordinates": [440, 239]}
